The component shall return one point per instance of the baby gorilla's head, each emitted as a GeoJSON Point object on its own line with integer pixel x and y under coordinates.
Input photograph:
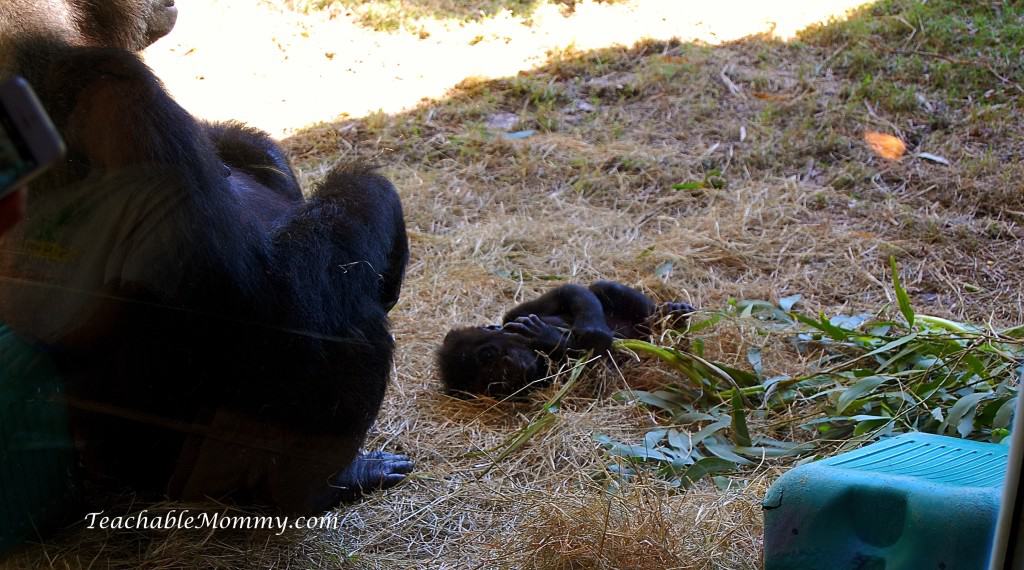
{"type": "Point", "coordinates": [488, 361]}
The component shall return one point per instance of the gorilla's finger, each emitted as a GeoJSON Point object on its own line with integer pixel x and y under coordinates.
{"type": "Point", "coordinates": [401, 466]}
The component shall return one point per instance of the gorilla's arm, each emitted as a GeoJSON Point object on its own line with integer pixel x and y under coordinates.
{"type": "Point", "coordinates": [575, 304]}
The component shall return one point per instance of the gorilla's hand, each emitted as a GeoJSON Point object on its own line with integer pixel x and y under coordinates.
{"type": "Point", "coordinates": [370, 472]}
{"type": "Point", "coordinates": [540, 335]}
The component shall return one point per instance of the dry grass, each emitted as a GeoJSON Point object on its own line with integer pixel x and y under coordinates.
{"type": "Point", "coordinates": [806, 208]}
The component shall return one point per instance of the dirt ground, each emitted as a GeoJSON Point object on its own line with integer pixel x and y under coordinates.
{"type": "Point", "coordinates": [532, 152]}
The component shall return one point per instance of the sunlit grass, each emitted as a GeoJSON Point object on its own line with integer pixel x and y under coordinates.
{"type": "Point", "coordinates": [282, 69]}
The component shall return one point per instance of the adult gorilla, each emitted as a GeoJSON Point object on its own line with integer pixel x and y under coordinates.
{"type": "Point", "coordinates": [217, 334]}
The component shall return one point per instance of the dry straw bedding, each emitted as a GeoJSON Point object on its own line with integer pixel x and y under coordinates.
{"type": "Point", "coordinates": [806, 209]}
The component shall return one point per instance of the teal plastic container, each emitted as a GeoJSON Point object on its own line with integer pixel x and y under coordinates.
{"type": "Point", "coordinates": [36, 454]}
{"type": "Point", "coordinates": [916, 501]}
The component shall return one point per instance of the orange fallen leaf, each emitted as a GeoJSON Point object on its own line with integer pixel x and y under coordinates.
{"type": "Point", "coordinates": [885, 146]}
{"type": "Point", "coordinates": [772, 96]}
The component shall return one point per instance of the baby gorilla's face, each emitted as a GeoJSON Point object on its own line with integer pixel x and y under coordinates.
{"type": "Point", "coordinates": [488, 361]}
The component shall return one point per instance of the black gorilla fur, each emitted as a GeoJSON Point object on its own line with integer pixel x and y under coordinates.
{"type": "Point", "coordinates": [512, 358]}
{"type": "Point", "coordinates": [243, 349]}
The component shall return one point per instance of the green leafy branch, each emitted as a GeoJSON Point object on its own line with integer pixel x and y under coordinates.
{"type": "Point", "coordinates": [874, 377]}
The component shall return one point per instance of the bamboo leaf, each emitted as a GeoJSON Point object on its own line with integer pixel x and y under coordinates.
{"type": "Point", "coordinates": [787, 303]}
{"type": "Point", "coordinates": [849, 322]}
{"type": "Point", "coordinates": [742, 377]}
{"type": "Point", "coordinates": [1005, 413]}
{"type": "Point", "coordinates": [754, 358]}
{"type": "Point", "coordinates": [840, 419]}
{"type": "Point", "coordinates": [896, 358]}
{"type": "Point", "coordinates": [524, 435]}
{"type": "Point", "coordinates": [721, 448]}
{"type": "Point", "coordinates": [748, 306]}
{"type": "Point", "coordinates": [965, 407]}
{"type": "Point", "coordinates": [637, 452]}
{"type": "Point", "coordinates": [680, 441]}
{"type": "Point", "coordinates": [893, 344]}
{"type": "Point", "coordinates": [863, 387]}
{"type": "Point", "coordinates": [693, 185]}
{"type": "Point", "coordinates": [740, 433]}
{"type": "Point", "coordinates": [901, 294]}
{"type": "Point", "coordinates": [698, 326]}
{"type": "Point", "coordinates": [544, 419]}
{"type": "Point", "coordinates": [1013, 332]}
{"type": "Point", "coordinates": [762, 452]}
{"type": "Point", "coordinates": [664, 270]}
{"type": "Point", "coordinates": [574, 377]}
{"type": "Point", "coordinates": [870, 425]}
{"type": "Point", "coordinates": [710, 430]}
{"type": "Point", "coordinates": [987, 413]}
{"type": "Point", "coordinates": [705, 467]}
{"type": "Point", "coordinates": [824, 326]}
{"type": "Point", "coordinates": [656, 400]}
{"type": "Point", "coordinates": [714, 368]}
{"type": "Point", "coordinates": [769, 442]}
{"type": "Point", "coordinates": [690, 417]}
{"type": "Point", "coordinates": [670, 356]}
{"type": "Point", "coordinates": [654, 437]}
{"type": "Point", "coordinates": [946, 324]}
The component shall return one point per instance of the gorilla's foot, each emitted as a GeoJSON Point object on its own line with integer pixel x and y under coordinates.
{"type": "Point", "coordinates": [677, 309]}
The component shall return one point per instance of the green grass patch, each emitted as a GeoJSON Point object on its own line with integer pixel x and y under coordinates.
{"type": "Point", "coordinates": [962, 49]}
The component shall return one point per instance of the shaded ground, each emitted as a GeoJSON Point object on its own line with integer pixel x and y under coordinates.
{"type": "Point", "coordinates": [780, 195]}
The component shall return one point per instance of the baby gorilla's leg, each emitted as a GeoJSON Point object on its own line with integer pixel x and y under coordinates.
{"type": "Point", "coordinates": [676, 309]}
{"type": "Point", "coordinates": [627, 311]}
{"type": "Point", "coordinates": [673, 314]}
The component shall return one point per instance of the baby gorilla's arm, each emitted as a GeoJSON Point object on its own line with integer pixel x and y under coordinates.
{"type": "Point", "coordinates": [579, 307]}
{"type": "Point", "coordinates": [575, 304]}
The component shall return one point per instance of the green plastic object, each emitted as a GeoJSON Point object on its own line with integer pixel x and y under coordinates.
{"type": "Point", "coordinates": [916, 501]}
{"type": "Point", "coordinates": [36, 455]}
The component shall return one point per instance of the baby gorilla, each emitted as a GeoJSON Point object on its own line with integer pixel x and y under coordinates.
{"type": "Point", "coordinates": [511, 358]}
